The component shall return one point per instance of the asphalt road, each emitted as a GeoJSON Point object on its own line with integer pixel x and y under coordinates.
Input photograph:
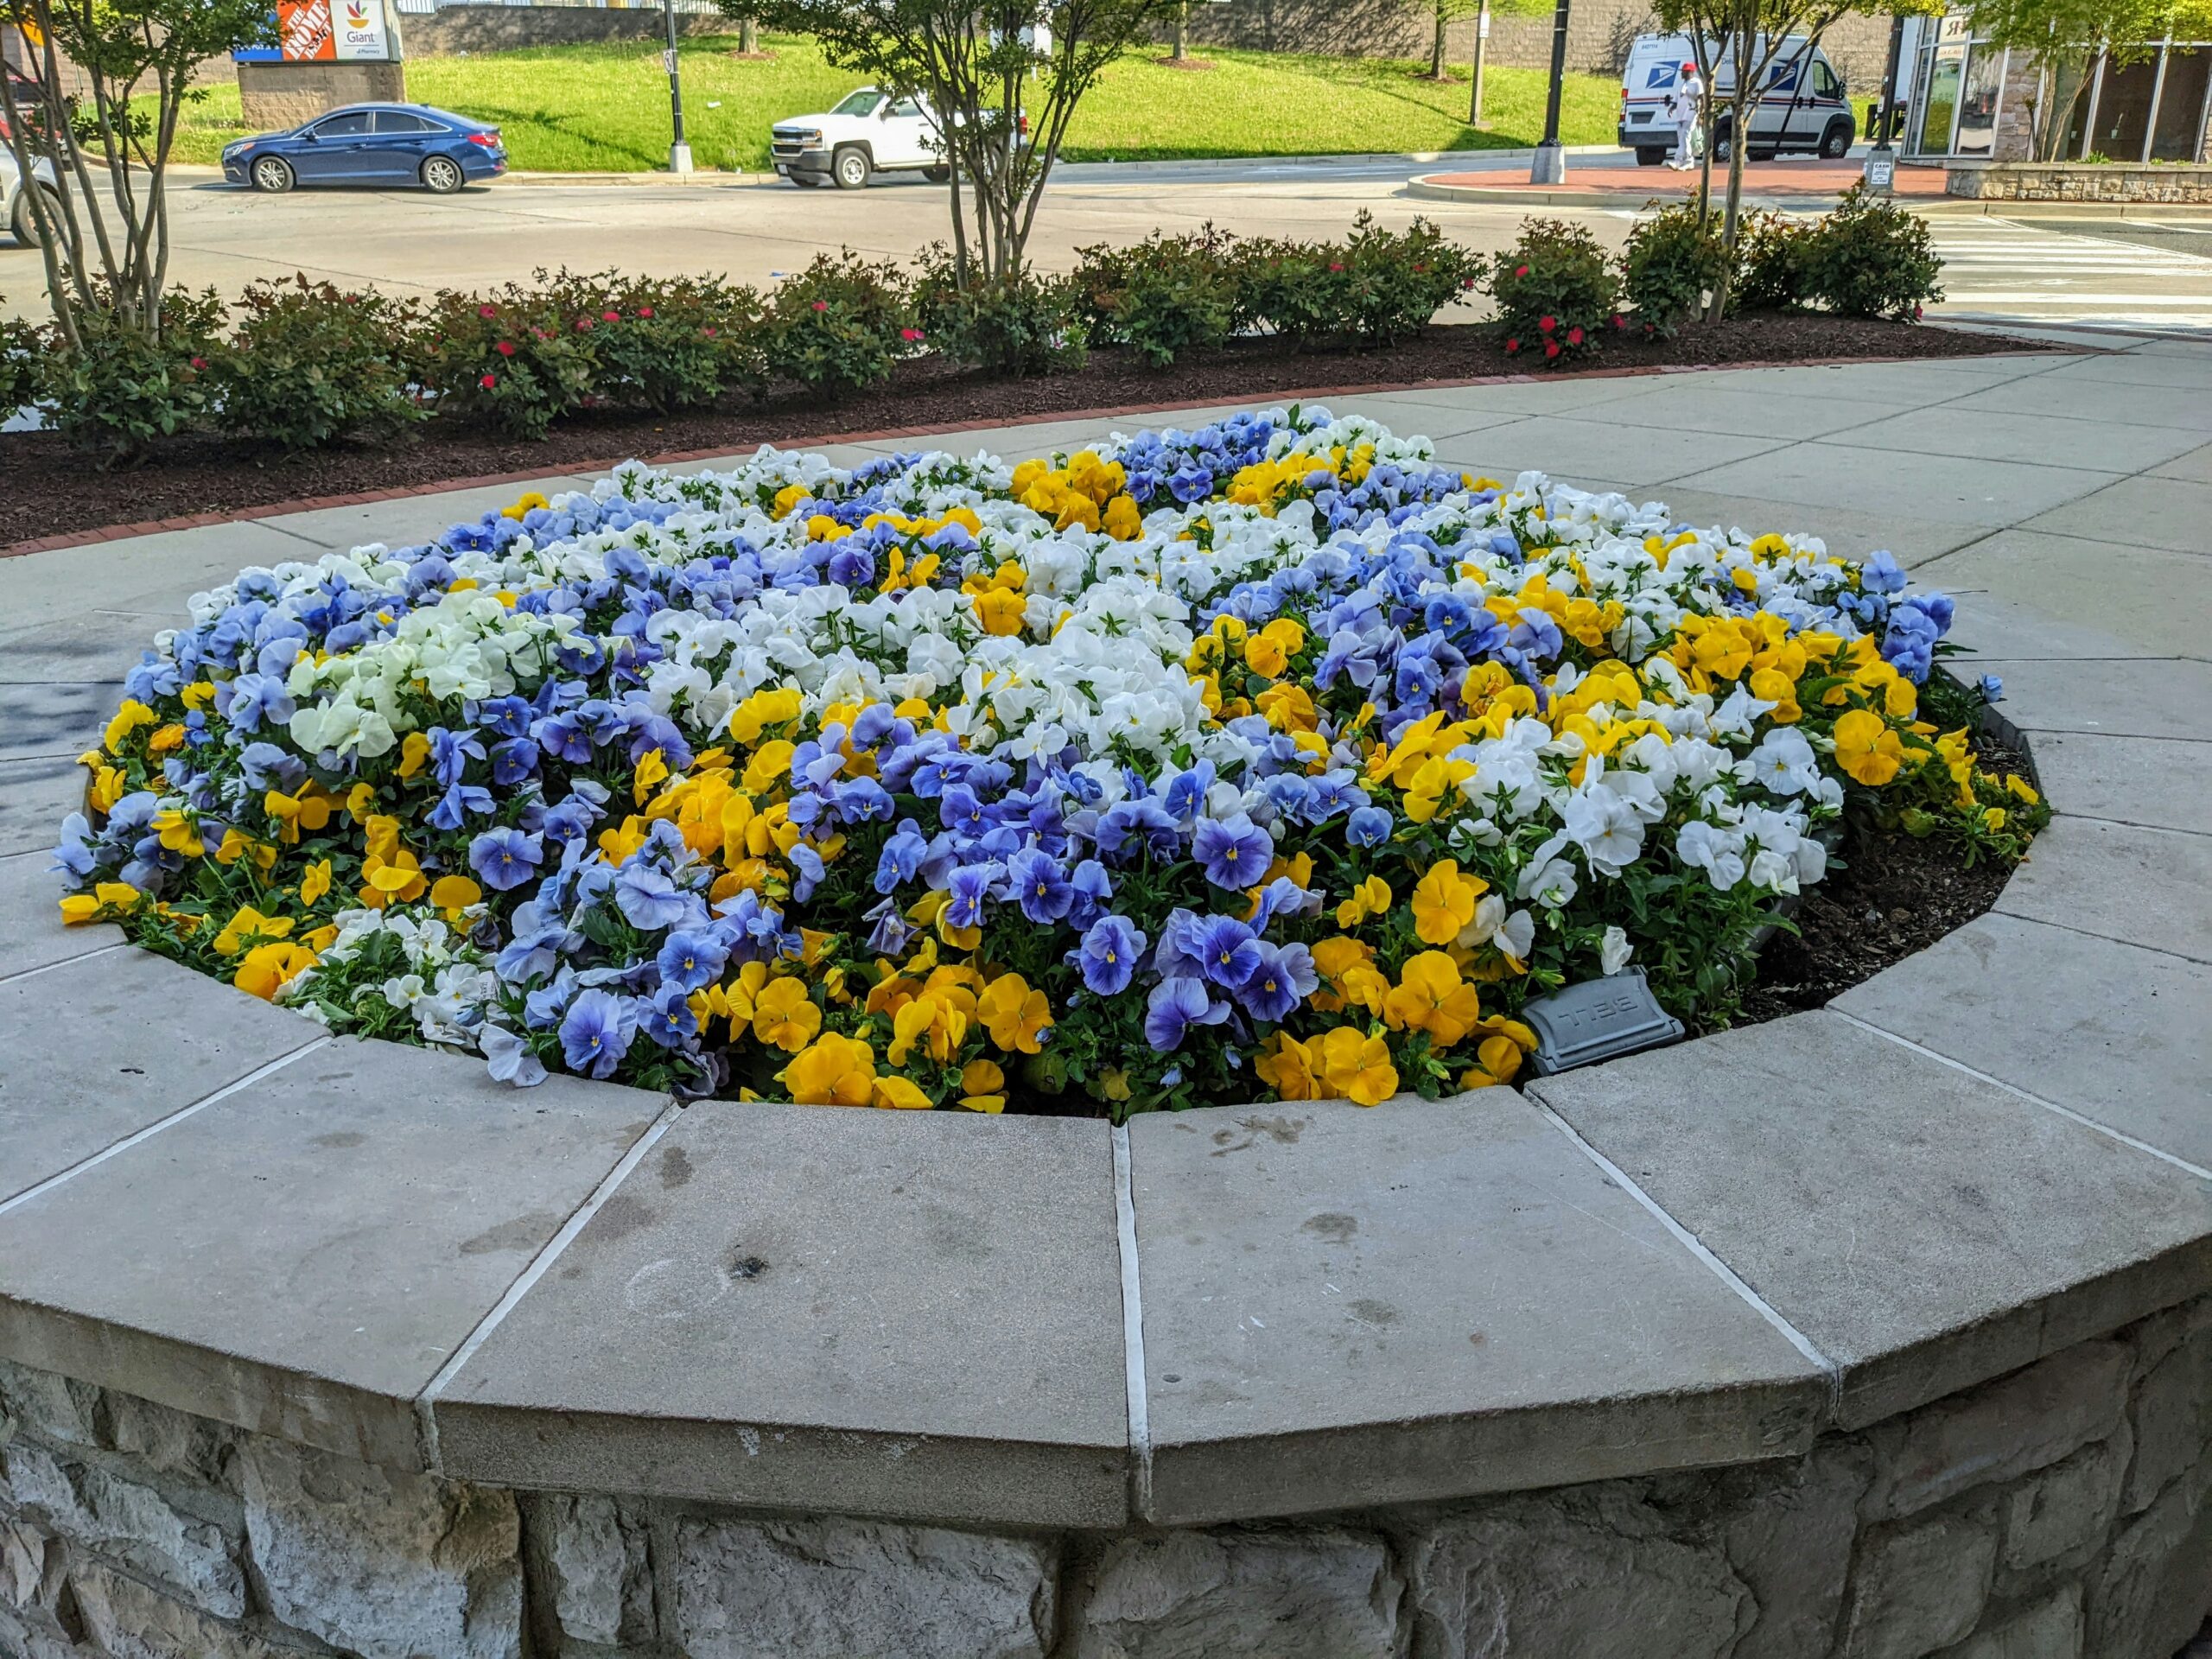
{"type": "Point", "coordinates": [2099, 273]}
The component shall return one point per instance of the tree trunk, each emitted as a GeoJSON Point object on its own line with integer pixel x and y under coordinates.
{"type": "Point", "coordinates": [748, 35]}
{"type": "Point", "coordinates": [1182, 31]}
{"type": "Point", "coordinates": [1436, 46]}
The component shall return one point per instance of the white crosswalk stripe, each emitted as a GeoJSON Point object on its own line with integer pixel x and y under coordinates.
{"type": "Point", "coordinates": [2017, 269]}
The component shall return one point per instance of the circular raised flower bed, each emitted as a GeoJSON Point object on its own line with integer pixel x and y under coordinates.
{"type": "Point", "coordinates": [1269, 760]}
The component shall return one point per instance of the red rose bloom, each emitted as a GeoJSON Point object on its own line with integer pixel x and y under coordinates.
{"type": "Point", "coordinates": [1336, 264]}
{"type": "Point", "coordinates": [645, 310]}
{"type": "Point", "coordinates": [910, 333]}
{"type": "Point", "coordinates": [582, 324]}
{"type": "Point", "coordinates": [1575, 336]}
{"type": "Point", "coordinates": [1551, 348]}
{"type": "Point", "coordinates": [1521, 270]}
{"type": "Point", "coordinates": [489, 381]}
{"type": "Point", "coordinates": [610, 316]}
{"type": "Point", "coordinates": [199, 362]}
{"type": "Point", "coordinates": [1512, 346]}
{"type": "Point", "coordinates": [1619, 321]}
{"type": "Point", "coordinates": [505, 348]}
{"type": "Point", "coordinates": [1546, 323]}
{"type": "Point", "coordinates": [487, 310]}
{"type": "Point", "coordinates": [822, 305]}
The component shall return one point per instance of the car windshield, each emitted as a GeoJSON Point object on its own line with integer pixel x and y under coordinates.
{"type": "Point", "coordinates": [861, 103]}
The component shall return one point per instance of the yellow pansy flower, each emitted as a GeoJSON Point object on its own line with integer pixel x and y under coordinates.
{"type": "Point", "coordinates": [1371, 898]}
{"type": "Point", "coordinates": [127, 719]}
{"type": "Point", "coordinates": [267, 969]}
{"type": "Point", "coordinates": [1356, 1066]}
{"type": "Point", "coordinates": [835, 1070]}
{"type": "Point", "coordinates": [1015, 1016]}
{"type": "Point", "coordinates": [1444, 902]}
{"type": "Point", "coordinates": [315, 881]}
{"type": "Point", "coordinates": [454, 893]}
{"type": "Point", "coordinates": [1866, 747]}
{"type": "Point", "coordinates": [785, 1017]}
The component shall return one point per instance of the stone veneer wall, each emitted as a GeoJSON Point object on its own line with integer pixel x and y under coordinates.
{"type": "Point", "coordinates": [2165, 181]}
{"type": "Point", "coordinates": [2058, 1512]}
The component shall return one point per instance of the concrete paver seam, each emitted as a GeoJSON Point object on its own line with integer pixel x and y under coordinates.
{"type": "Point", "coordinates": [66, 962]}
{"type": "Point", "coordinates": [1689, 1240]}
{"type": "Point", "coordinates": [2091, 933]}
{"type": "Point", "coordinates": [116, 1149]}
{"type": "Point", "coordinates": [1125, 1220]}
{"type": "Point", "coordinates": [425, 1402]}
{"type": "Point", "coordinates": [2067, 1112]}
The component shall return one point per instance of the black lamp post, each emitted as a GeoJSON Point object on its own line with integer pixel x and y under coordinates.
{"type": "Point", "coordinates": [1550, 165]}
{"type": "Point", "coordinates": [679, 153]}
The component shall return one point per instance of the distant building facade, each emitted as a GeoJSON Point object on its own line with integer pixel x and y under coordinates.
{"type": "Point", "coordinates": [1976, 101]}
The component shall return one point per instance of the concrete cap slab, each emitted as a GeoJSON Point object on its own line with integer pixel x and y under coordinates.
{"type": "Point", "coordinates": [2120, 1034]}
{"type": "Point", "coordinates": [909, 1314]}
{"type": "Point", "coordinates": [1426, 1299]}
{"type": "Point", "coordinates": [2158, 783]}
{"type": "Point", "coordinates": [302, 1256]}
{"type": "Point", "coordinates": [1925, 1228]}
{"type": "Point", "coordinates": [32, 936]}
{"type": "Point", "coordinates": [81, 1067]}
{"type": "Point", "coordinates": [2165, 698]}
{"type": "Point", "coordinates": [55, 718]}
{"type": "Point", "coordinates": [34, 796]}
{"type": "Point", "coordinates": [2142, 886]}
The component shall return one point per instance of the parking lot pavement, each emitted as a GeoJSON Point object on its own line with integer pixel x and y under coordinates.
{"type": "Point", "coordinates": [2146, 275]}
{"type": "Point", "coordinates": [410, 242]}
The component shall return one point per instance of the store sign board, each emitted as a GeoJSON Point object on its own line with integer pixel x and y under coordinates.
{"type": "Point", "coordinates": [325, 31]}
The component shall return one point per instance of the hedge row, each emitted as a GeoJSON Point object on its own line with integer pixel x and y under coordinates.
{"type": "Point", "coordinates": [303, 364]}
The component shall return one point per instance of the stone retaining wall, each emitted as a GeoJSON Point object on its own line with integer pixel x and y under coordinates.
{"type": "Point", "coordinates": [2059, 1512]}
{"type": "Point", "coordinates": [2062, 182]}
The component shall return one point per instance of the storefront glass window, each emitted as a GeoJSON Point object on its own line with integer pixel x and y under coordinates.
{"type": "Point", "coordinates": [2179, 135]}
{"type": "Point", "coordinates": [1984, 80]}
{"type": "Point", "coordinates": [1939, 102]}
{"type": "Point", "coordinates": [2124, 109]}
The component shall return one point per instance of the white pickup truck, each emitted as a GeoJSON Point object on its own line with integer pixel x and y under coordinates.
{"type": "Point", "coordinates": [869, 132]}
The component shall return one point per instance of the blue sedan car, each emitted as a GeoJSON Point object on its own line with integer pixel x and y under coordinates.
{"type": "Point", "coordinates": [371, 145]}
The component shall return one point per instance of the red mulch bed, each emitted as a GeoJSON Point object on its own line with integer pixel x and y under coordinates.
{"type": "Point", "coordinates": [51, 491]}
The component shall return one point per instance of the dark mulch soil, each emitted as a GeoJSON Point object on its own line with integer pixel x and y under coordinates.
{"type": "Point", "coordinates": [50, 491]}
{"type": "Point", "coordinates": [1895, 895]}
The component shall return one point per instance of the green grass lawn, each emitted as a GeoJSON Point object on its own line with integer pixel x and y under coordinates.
{"type": "Point", "coordinates": [577, 109]}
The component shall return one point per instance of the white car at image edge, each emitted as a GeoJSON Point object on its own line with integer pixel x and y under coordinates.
{"type": "Point", "coordinates": [14, 200]}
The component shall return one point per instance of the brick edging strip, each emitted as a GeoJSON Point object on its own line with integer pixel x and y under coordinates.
{"type": "Point", "coordinates": [94, 536]}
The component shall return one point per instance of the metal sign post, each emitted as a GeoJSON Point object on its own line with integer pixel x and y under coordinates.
{"type": "Point", "coordinates": [1881, 169]}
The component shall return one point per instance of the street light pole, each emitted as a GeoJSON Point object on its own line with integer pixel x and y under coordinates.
{"type": "Point", "coordinates": [679, 153]}
{"type": "Point", "coordinates": [1550, 165]}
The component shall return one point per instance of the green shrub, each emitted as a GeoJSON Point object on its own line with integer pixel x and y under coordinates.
{"type": "Point", "coordinates": [1873, 258]}
{"type": "Point", "coordinates": [660, 344]}
{"type": "Point", "coordinates": [1026, 325]}
{"type": "Point", "coordinates": [1374, 288]}
{"type": "Point", "coordinates": [117, 393]}
{"type": "Point", "coordinates": [1673, 261]}
{"type": "Point", "coordinates": [1556, 291]}
{"type": "Point", "coordinates": [310, 365]}
{"type": "Point", "coordinates": [22, 348]}
{"type": "Point", "coordinates": [1168, 296]}
{"type": "Point", "coordinates": [838, 327]}
{"type": "Point", "coordinates": [1769, 263]}
{"type": "Point", "coordinates": [509, 358]}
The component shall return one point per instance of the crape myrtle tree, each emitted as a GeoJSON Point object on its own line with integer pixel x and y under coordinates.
{"type": "Point", "coordinates": [985, 69]}
{"type": "Point", "coordinates": [1746, 38]}
{"type": "Point", "coordinates": [2064, 38]}
{"type": "Point", "coordinates": [106, 244]}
